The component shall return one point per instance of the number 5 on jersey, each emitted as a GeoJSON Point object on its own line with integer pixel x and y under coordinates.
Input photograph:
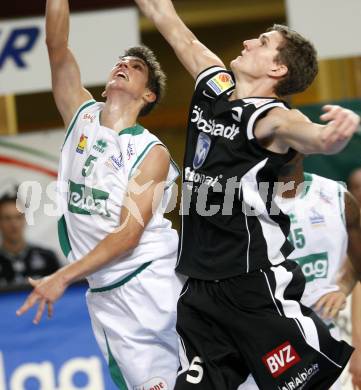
{"type": "Point", "coordinates": [195, 367]}
{"type": "Point", "coordinates": [89, 166]}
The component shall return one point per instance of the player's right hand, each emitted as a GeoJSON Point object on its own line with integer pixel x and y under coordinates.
{"type": "Point", "coordinates": [46, 291]}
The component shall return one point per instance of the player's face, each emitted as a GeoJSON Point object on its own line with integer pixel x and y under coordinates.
{"type": "Point", "coordinates": [258, 56]}
{"type": "Point", "coordinates": [12, 222]}
{"type": "Point", "coordinates": [129, 74]}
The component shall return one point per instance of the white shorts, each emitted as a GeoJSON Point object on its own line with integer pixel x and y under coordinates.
{"type": "Point", "coordinates": [134, 325]}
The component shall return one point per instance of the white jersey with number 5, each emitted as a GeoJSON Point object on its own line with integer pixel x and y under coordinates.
{"type": "Point", "coordinates": [318, 233]}
{"type": "Point", "coordinates": [96, 166]}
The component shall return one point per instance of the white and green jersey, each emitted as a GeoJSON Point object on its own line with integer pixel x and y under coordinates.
{"type": "Point", "coordinates": [96, 166]}
{"type": "Point", "coordinates": [318, 234]}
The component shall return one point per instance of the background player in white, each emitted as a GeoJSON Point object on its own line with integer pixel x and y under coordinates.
{"type": "Point", "coordinates": [215, 340]}
{"type": "Point", "coordinates": [113, 174]}
{"type": "Point", "coordinates": [354, 185]}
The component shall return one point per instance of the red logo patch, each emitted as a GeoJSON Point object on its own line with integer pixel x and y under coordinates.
{"type": "Point", "coordinates": [281, 359]}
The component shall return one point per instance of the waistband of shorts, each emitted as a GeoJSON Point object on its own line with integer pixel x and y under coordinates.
{"type": "Point", "coordinates": [123, 281]}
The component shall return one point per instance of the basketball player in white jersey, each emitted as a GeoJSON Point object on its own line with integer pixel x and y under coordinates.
{"type": "Point", "coordinates": [114, 182]}
{"type": "Point", "coordinates": [325, 228]}
{"type": "Point", "coordinates": [354, 185]}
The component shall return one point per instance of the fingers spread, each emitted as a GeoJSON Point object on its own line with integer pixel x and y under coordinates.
{"type": "Point", "coordinates": [29, 303]}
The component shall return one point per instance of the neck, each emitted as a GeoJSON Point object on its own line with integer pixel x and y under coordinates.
{"type": "Point", "coordinates": [296, 180]}
{"type": "Point", "coordinates": [247, 87]}
{"type": "Point", "coordinates": [119, 113]}
{"type": "Point", "coordinates": [14, 246]}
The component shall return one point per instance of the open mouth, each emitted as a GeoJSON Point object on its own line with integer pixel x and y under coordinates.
{"type": "Point", "coordinates": [122, 75]}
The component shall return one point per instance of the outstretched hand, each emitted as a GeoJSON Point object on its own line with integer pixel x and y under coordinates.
{"type": "Point", "coordinates": [342, 124]}
{"type": "Point", "coordinates": [331, 304]}
{"type": "Point", "coordinates": [46, 291]}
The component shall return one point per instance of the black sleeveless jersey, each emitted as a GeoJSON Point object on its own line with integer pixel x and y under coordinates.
{"type": "Point", "coordinates": [230, 224]}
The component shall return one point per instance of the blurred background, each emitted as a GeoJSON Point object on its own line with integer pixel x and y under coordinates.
{"type": "Point", "coordinates": [31, 134]}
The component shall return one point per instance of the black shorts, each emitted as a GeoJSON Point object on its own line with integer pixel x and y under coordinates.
{"type": "Point", "coordinates": [255, 324]}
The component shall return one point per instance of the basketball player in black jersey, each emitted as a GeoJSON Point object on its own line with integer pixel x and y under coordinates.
{"type": "Point", "coordinates": [239, 312]}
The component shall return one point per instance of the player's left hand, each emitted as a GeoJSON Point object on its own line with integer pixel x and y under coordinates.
{"type": "Point", "coordinates": [342, 124]}
{"type": "Point", "coordinates": [46, 291]}
{"type": "Point", "coordinates": [331, 304]}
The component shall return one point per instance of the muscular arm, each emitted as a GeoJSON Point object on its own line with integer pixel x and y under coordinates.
{"type": "Point", "coordinates": [192, 54]}
{"type": "Point", "coordinates": [144, 195]}
{"type": "Point", "coordinates": [283, 129]}
{"type": "Point", "coordinates": [68, 91]}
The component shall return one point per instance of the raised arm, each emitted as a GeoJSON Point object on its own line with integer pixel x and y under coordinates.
{"type": "Point", "coordinates": [68, 91]}
{"type": "Point", "coordinates": [192, 54]}
{"type": "Point", "coordinates": [144, 195]}
{"type": "Point", "coordinates": [292, 129]}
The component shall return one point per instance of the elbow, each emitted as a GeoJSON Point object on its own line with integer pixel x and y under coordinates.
{"type": "Point", "coordinates": [55, 44]}
{"type": "Point", "coordinates": [133, 241]}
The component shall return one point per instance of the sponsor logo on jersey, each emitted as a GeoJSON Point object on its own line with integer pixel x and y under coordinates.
{"type": "Point", "coordinates": [211, 127]}
{"type": "Point", "coordinates": [206, 94]}
{"type": "Point", "coordinates": [237, 113]}
{"type": "Point", "coordinates": [220, 83]}
{"type": "Point", "coordinates": [114, 162]}
{"type": "Point", "coordinates": [316, 218]}
{"type": "Point", "coordinates": [82, 144]}
{"type": "Point", "coordinates": [130, 151]}
{"type": "Point", "coordinates": [293, 218]}
{"type": "Point", "coordinates": [88, 117]}
{"type": "Point", "coordinates": [314, 266]}
{"type": "Point", "coordinates": [298, 381]}
{"type": "Point", "coordinates": [257, 102]}
{"type": "Point", "coordinates": [200, 178]}
{"type": "Point", "coordinates": [100, 145]}
{"type": "Point", "coordinates": [281, 359]}
{"type": "Point", "coordinates": [87, 201]}
{"type": "Point", "coordinates": [202, 149]}
{"type": "Point", "coordinates": [153, 384]}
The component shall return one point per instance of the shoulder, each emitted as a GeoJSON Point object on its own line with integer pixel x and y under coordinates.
{"type": "Point", "coordinates": [214, 82]}
{"type": "Point", "coordinates": [283, 112]}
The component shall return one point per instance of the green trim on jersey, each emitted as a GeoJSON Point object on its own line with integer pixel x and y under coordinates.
{"type": "Point", "coordinates": [114, 369]}
{"type": "Point", "coordinates": [341, 204]}
{"type": "Point", "coordinates": [123, 281]}
{"type": "Point", "coordinates": [63, 236]}
{"type": "Point", "coordinates": [142, 156]}
{"type": "Point", "coordinates": [306, 188]}
{"type": "Point", "coordinates": [134, 130]}
{"type": "Point", "coordinates": [75, 117]}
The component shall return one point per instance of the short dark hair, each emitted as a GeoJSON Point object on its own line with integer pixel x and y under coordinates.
{"type": "Point", "coordinates": [300, 57]}
{"type": "Point", "coordinates": [7, 198]}
{"type": "Point", "coordinates": [156, 79]}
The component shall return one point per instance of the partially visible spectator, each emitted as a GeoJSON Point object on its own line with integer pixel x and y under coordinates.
{"type": "Point", "coordinates": [19, 259]}
{"type": "Point", "coordinates": [354, 186]}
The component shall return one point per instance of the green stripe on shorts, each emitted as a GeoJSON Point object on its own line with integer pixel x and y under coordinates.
{"type": "Point", "coordinates": [114, 369]}
{"type": "Point", "coordinates": [123, 281]}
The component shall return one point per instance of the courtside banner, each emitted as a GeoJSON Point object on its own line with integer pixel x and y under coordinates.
{"type": "Point", "coordinates": [332, 25]}
{"type": "Point", "coordinates": [57, 354]}
{"type": "Point", "coordinates": [30, 162]}
{"type": "Point", "coordinates": [96, 38]}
